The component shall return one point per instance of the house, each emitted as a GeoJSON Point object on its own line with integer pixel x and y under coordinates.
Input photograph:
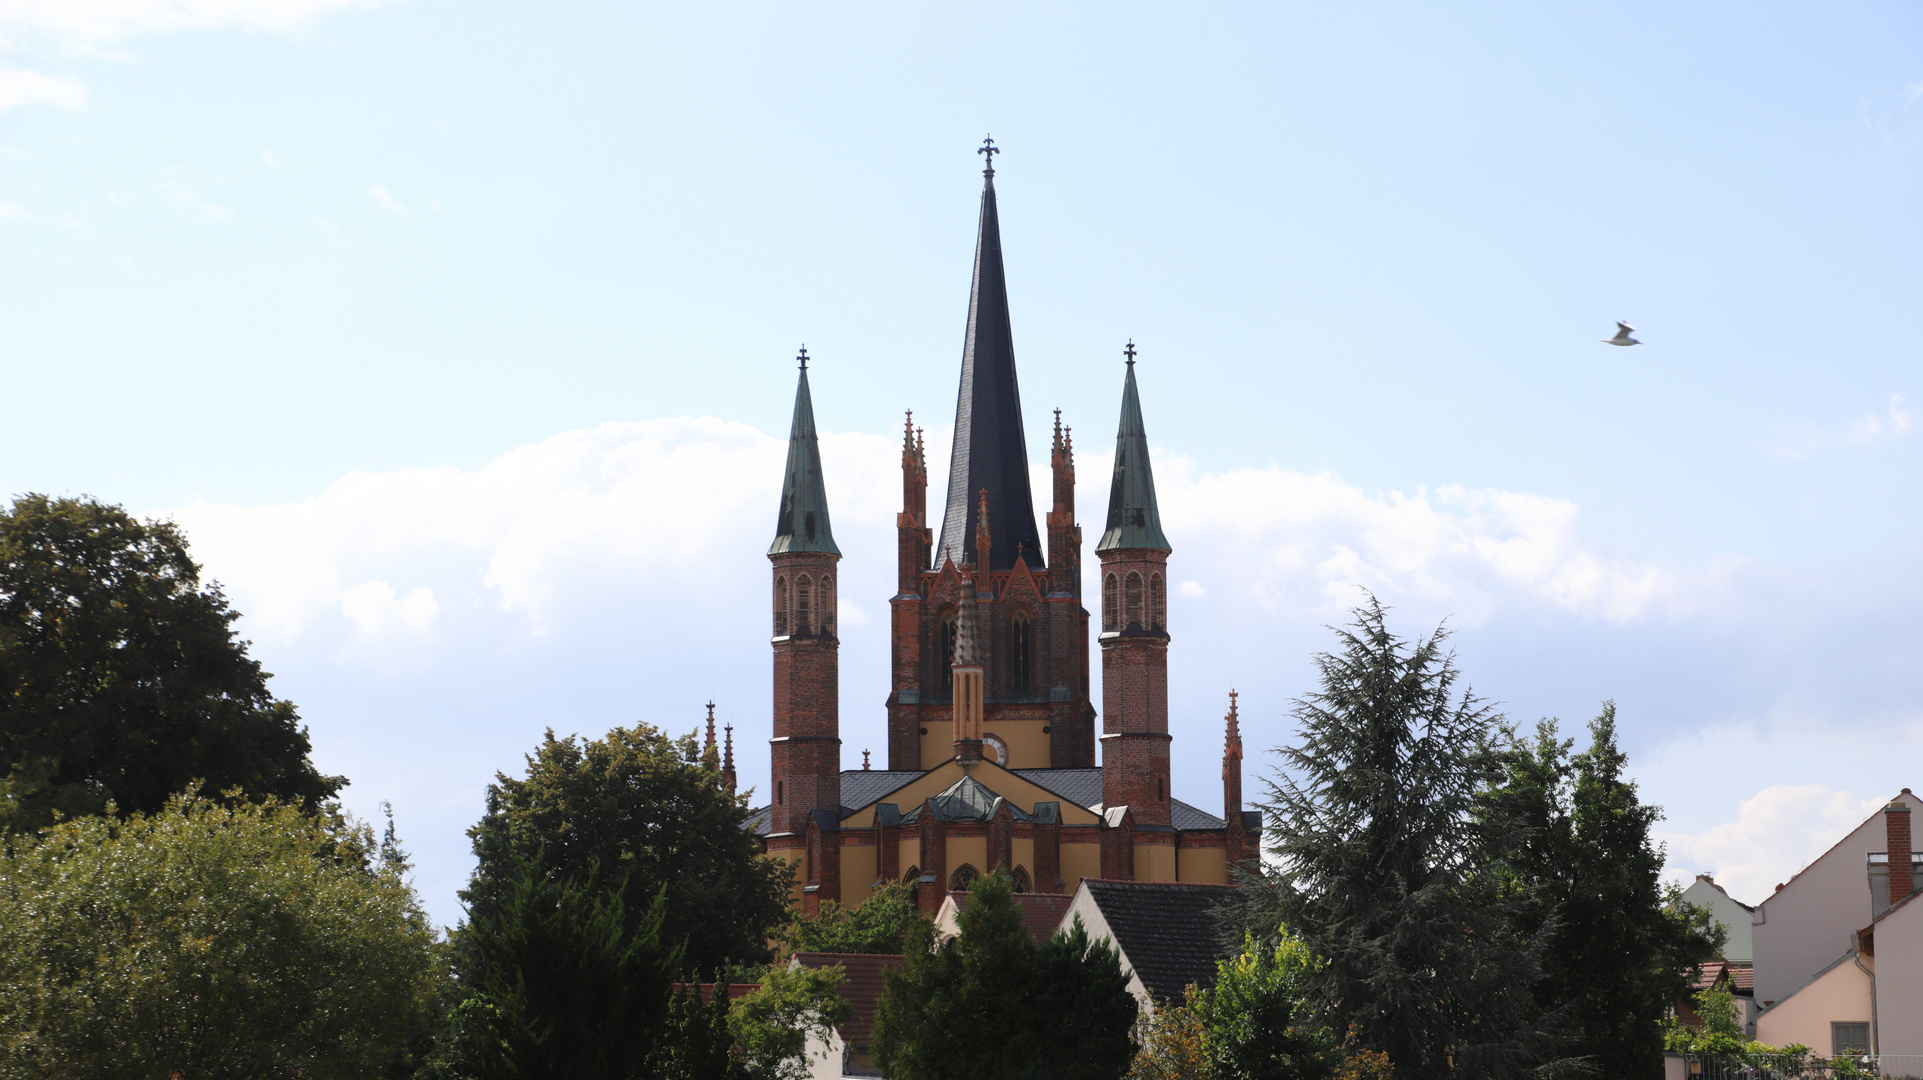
{"type": "Point", "coordinates": [1168, 933]}
{"type": "Point", "coordinates": [1732, 914]}
{"type": "Point", "coordinates": [1041, 914]}
{"type": "Point", "coordinates": [1855, 907]}
{"type": "Point", "coordinates": [1740, 978]}
{"type": "Point", "coordinates": [850, 1051]}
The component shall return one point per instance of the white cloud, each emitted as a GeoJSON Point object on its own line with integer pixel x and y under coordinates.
{"type": "Point", "coordinates": [1777, 832]}
{"type": "Point", "coordinates": [19, 86]}
{"type": "Point", "coordinates": [14, 153]}
{"type": "Point", "coordinates": [377, 611]}
{"type": "Point", "coordinates": [15, 212]}
{"type": "Point", "coordinates": [178, 194]}
{"type": "Point", "coordinates": [271, 159]}
{"type": "Point", "coordinates": [384, 200]}
{"type": "Point", "coordinates": [110, 20]}
{"type": "Point", "coordinates": [1193, 590]}
{"type": "Point", "coordinates": [1893, 422]}
{"type": "Point", "coordinates": [323, 223]}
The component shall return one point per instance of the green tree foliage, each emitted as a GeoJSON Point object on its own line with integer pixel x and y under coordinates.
{"type": "Point", "coordinates": [1720, 1033]}
{"type": "Point", "coordinates": [773, 1023]}
{"type": "Point", "coordinates": [557, 981]}
{"type": "Point", "coordinates": [1255, 1024]}
{"type": "Point", "coordinates": [639, 806]}
{"type": "Point", "coordinates": [1622, 944]}
{"type": "Point", "coordinates": [219, 940]}
{"type": "Point", "coordinates": [1385, 871]}
{"type": "Point", "coordinates": [1170, 1044]}
{"type": "Point", "coordinates": [698, 1041]}
{"type": "Point", "coordinates": [876, 925]}
{"type": "Point", "coordinates": [990, 1002]}
{"type": "Point", "coordinates": [121, 679]}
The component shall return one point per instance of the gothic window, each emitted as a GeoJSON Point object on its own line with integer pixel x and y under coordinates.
{"type": "Point", "coordinates": [803, 624]}
{"type": "Point", "coordinates": [1108, 604]}
{"type": "Point", "coordinates": [964, 876]}
{"type": "Point", "coordinates": [1157, 603]}
{"type": "Point", "coordinates": [1132, 596]}
{"type": "Point", "coordinates": [828, 604]}
{"type": "Point", "coordinates": [781, 606]}
{"type": "Point", "coordinates": [1019, 648]}
{"type": "Point", "coordinates": [1019, 880]}
{"type": "Point", "coordinates": [948, 655]}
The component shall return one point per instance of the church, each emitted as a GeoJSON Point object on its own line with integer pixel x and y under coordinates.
{"type": "Point", "coordinates": [992, 744]}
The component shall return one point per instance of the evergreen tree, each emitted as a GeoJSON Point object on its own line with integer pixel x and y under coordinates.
{"type": "Point", "coordinates": [1385, 871]}
{"type": "Point", "coordinates": [638, 808]}
{"type": "Point", "coordinates": [558, 983]}
{"type": "Point", "coordinates": [1622, 945]}
{"type": "Point", "coordinates": [990, 1003]}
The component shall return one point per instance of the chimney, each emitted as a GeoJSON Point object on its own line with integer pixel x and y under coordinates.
{"type": "Point", "coordinates": [1896, 828]}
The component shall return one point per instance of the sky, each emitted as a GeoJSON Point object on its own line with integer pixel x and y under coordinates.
{"type": "Point", "coordinates": [459, 338]}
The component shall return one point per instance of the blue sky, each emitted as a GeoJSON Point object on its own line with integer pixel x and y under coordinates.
{"type": "Point", "coordinates": [459, 337]}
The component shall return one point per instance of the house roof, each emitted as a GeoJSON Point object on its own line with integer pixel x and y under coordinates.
{"type": "Point", "coordinates": [1167, 930]}
{"type": "Point", "coordinates": [1742, 977]}
{"type": "Point", "coordinates": [966, 800]}
{"type": "Point", "coordinates": [1041, 912]}
{"type": "Point", "coordinates": [860, 988]}
{"type": "Point", "coordinates": [1898, 797]}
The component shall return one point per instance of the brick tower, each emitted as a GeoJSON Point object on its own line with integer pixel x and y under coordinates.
{"type": "Point", "coordinates": [1032, 631]}
{"type": "Point", "coordinates": [1134, 554]}
{"type": "Point", "coordinates": [805, 753]}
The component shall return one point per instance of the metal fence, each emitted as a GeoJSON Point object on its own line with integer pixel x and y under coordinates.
{"type": "Point", "coordinates": [1806, 1067]}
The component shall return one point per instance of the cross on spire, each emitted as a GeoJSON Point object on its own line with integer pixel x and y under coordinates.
{"type": "Point", "coordinates": [804, 358]}
{"type": "Point", "coordinates": [1130, 352]}
{"type": "Point", "coordinates": [988, 150]}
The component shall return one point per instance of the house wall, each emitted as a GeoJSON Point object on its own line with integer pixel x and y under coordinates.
{"type": "Point", "coordinates": [1808, 922]}
{"type": "Point", "coordinates": [1734, 917]}
{"type": "Point", "coordinates": [1899, 979]}
{"type": "Point", "coordinates": [1839, 995]}
{"type": "Point", "coordinates": [1091, 915]}
{"type": "Point", "coordinates": [824, 1057]}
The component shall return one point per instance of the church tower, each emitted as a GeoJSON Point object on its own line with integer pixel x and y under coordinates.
{"type": "Point", "coordinates": [1134, 554]}
{"type": "Point", "coordinates": [1031, 642]}
{"type": "Point", "coordinates": [805, 753]}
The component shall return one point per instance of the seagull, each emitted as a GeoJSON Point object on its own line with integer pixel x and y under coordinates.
{"type": "Point", "coordinates": [1622, 335]}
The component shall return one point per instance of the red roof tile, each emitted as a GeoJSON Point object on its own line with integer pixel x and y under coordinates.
{"type": "Point", "coordinates": [1041, 912]}
{"type": "Point", "coordinates": [861, 987]}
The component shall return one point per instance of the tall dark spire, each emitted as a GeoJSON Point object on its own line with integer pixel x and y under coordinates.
{"type": "Point", "coordinates": [990, 451]}
{"type": "Point", "coordinates": [803, 525]}
{"type": "Point", "coordinates": [1134, 521]}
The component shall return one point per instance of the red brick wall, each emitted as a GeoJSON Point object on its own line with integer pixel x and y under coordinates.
{"type": "Point", "coordinates": [1135, 736]}
{"type": "Point", "coordinates": [805, 752]}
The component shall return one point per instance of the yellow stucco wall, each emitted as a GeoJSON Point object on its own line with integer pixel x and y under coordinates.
{"type": "Point", "coordinates": [1023, 852]}
{"type": "Point", "coordinates": [1016, 790]}
{"type": "Point", "coordinates": [857, 873]}
{"type": "Point", "coordinates": [1841, 994]}
{"type": "Point", "coordinates": [1080, 861]}
{"type": "Point", "coordinates": [1155, 862]}
{"type": "Point", "coordinates": [910, 853]}
{"type": "Point", "coordinates": [938, 745]}
{"type": "Point", "coordinates": [972, 850]}
{"type": "Point", "coordinates": [1027, 746]}
{"type": "Point", "coordinates": [1208, 866]}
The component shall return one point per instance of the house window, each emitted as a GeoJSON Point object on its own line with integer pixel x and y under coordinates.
{"type": "Point", "coordinates": [781, 606]}
{"type": "Point", "coordinates": [1849, 1039]}
{"type": "Point", "coordinates": [828, 605]}
{"type": "Point", "coordinates": [913, 875]}
{"type": "Point", "coordinates": [1018, 643]}
{"type": "Point", "coordinates": [1157, 602]}
{"type": "Point", "coordinates": [962, 878]}
{"type": "Point", "coordinates": [948, 655]}
{"type": "Point", "coordinates": [1019, 880]}
{"type": "Point", "coordinates": [1132, 596]}
{"type": "Point", "coordinates": [1108, 603]}
{"type": "Point", "coordinates": [803, 624]}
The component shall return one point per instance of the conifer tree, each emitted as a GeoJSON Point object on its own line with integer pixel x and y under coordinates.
{"type": "Point", "coordinates": [1384, 870]}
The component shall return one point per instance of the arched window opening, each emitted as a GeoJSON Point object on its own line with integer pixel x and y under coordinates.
{"type": "Point", "coordinates": [1018, 646]}
{"type": "Point", "coordinates": [1161, 791]}
{"type": "Point", "coordinates": [994, 749]}
{"type": "Point", "coordinates": [781, 606]}
{"type": "Point", "coordinates": [963, 877]}
{"type": "Point", "coordinates": [1108, 604]}
{"type": "Point", "coordinates": [947, 677]}
{"type": "Point", "coordinates": [913, 875]}
{"type": "Point", "coordinates": [828, 604]}
{"type": "Point", "coordinates": [1132, 595]}
{"type": "Point", "coordinates": [1157, 603]}
{"type": "Point", "coordinates": [779, 791]}
{"type": "Point", "coordinates": [803, 624]}
{"type": "Point", "coordinates": [1019, 880]}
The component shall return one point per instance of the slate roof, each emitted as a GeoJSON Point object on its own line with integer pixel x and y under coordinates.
{"type": "Point", "coordinates": [1134, 520]}
{"type": "Point", "coordinates": [1083, 787]}
{"type": "Point", "coordinates": [803, 522]}
{"type": "Point", "coordinates": [1167, 930]}
{"type": "Point", "coordinates": [861, 989]}
{"type": "Point", "coordinates": [966, 800]}
{"type": "Point", "coordinates": [859, 787]}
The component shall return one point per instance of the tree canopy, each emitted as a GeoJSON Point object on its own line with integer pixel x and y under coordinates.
{"type": "Point", "coordinates": [1384, 869]}
{"type": "Point", "coordinates": [637, 810]}
{"type": "Point", "coordinates": [121, 679]}
{"type": "Point", "coordinates": [222, 940]}
{"type": "Point", "coordinates": [991, 1002]}
{"type": "Point", "coordinates": [878, 924]}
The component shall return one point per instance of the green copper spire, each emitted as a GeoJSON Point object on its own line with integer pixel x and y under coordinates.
{"type": "Point", "coordinates": [803, 525]}
{"type": "Point", "coordinates": [1134, 521]}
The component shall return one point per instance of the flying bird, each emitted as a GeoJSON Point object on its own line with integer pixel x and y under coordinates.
{"type": "Point", "coordinates": [1622, 336]}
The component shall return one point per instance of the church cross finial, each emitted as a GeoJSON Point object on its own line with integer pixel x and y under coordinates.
{"type": "Point", "coordinates": [1130, 352]}
{"type": "Point", "coordinates": [803, 358]}
{"type": "Point", "coordinates": [988, 150]}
